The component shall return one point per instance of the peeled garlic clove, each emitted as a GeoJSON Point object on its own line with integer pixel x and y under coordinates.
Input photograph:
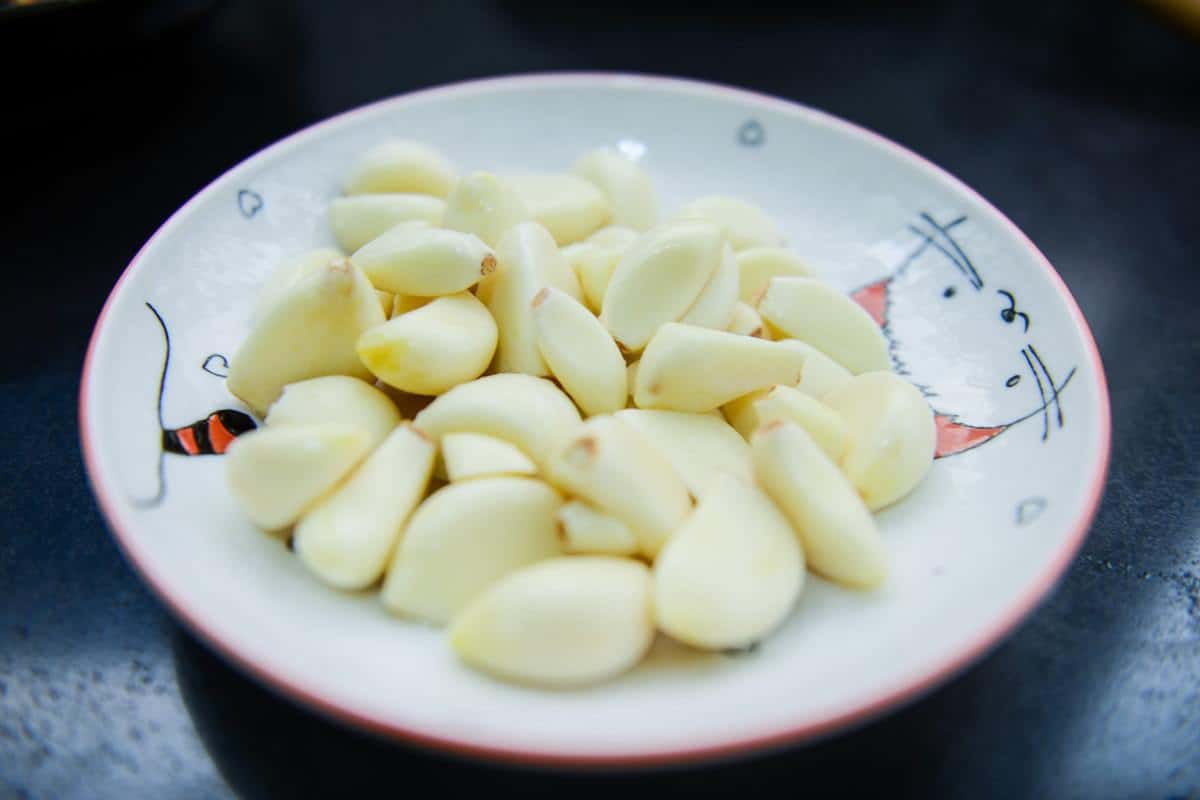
{"type": "Point", "coordinates": [335, 398]}
{"type": "Point", "coordinates": [698, 445]}
{"type": "Point", "coordinates": [744, 223]}
{"type": "Point", "coordinates": [837, 531]}
{"type": "Point", "coordinates": [580, 352]}
{"type": "Point", "coordinates": [585, 530]}
{"type": "Point", "coordinates": [714, 308]}
{"type": "Point", "coordinates": [288, 273]}
{"type": "Point", "coordinates": [309, 331]}
{"type": "Point", "coordinates": [593, 265]}
{"type": "Point", "coordinates": [399, 165]}
{"type": "Point", "coordinates": [595, 258]}
{"type": "Point", "coordinates": [348, 537]}
{"type": "Point", "coordinates": [484, 205]}
{"type": "Point", "coordinates": [566, 205]}
{"type": "Point", "coordinates": [464, 538]}
{"type": "Point", "coordinates": [531, 413]}
{"type": "Point", "coordinates": [360, 218]}
{"type": "Point", "coordinates": [563, 622]}
{"type": "Point", "coordinates": [731, 573]}
{"type": "Point", "coordinates": [428, 351]}
{"type": "Point", "coordinates": [746, 322]}
{"type": "Point", "coordinates": [814, 312]}
{"type": "Point", "coordinates": [630, 192]}
{"type": "Point", "coordinates": [821, 373]}
{"type": "Point", "coordinates": [686, 368]}
{"type": "Point", "coordinates": [757, 265]}
{"type": "Point", "coordinates": [892, 436]}
{"type": "Point", "coordinates": [631, 379]}
{"type": "Point", "coordinates": [473, 455]}
{"type": "Point", "coordinates": [608, 464]}
{"type": "Point", "coordinates": [824, 425]}
{"type": "Point", "coordinates": [529, 261]}
{"type": "Point", "coordinates": [658, 280]}
{"type": "Point", "coordinates": [426, 262]}
{"type": "Point", "coordinates": [276, 473]}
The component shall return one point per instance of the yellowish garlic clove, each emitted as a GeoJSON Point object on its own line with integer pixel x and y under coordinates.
{"type": "Point", "coordinates": [360, 218]}
{"type": "Point", "coordinates": [336, 398]}
{"type": "Point", "coordinates": [464, 538]}
{"type": "Point", "coordinates": [277, 473]}
{"type": "Point", "coordinates": [823, 424]}
{"type": "Point", "coordinates": [838, 533]}
{"type": "Point", "coordinates": [309, 331]}
{"type": "Point", "coordinates": [474, 455]}
{"type": "Point", "coordinates": [438, 346]}
{"type": "Point", "coordinates": [659, 278]}
{"type": "Point", "coordinates": [531, 413]}
{"type": "Point", "coordinates": [529, 261]}
{"type": "Point", "coordinates": [563, 622]}
{"type": "Point", "coordinates": [484, 205]}
{"type": "Point", "coordinates": [891, 435]}
{"type": "Point", "coordinates": [714, 308]}
{"type": "Point", "coordinates": [698, 446]}
{"type": "Point", "coordinates": [566, 205]}
{"type": "Point", "coordinates": [757, 265]}
{"type": "Point", "coordinates": [629, 190]}
{"type": "Point", "coordinates": [580, 352]}
{"type": "Point", "coordinates": [609, 465]}
{"type": "Point", "coordinates": [686, 368]}
{"type": "Point", "coordinates": [287, 274]}
{"type": "Point", "coordinates": [400, 165]}
{"type": "Point", "coordinates": [347, 538]}
{"type": "Point", "coordinates": [732, 572]}
{"type": "Point", "coordinates": [593, 264]}
{"type": "Point", "coordinates": [426, 262]}
{"type": "Point", "coordinates": [818, 314]}
{"type": "Point", "coordinates": [744, 223]}
{"type": "Point", "coordinates": [821, 373]}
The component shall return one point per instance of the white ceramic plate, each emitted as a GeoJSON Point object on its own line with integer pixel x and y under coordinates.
{"type": "Point", "coordinates": [974, 312]}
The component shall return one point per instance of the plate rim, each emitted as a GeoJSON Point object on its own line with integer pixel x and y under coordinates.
{"type": "Point", "coordinates": [778, 736]}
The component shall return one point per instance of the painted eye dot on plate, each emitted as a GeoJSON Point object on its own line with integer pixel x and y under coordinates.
{"type": "Point", "coordinates": [1012, 381]}
{"type": "Point", "coordinates": [949, 292]}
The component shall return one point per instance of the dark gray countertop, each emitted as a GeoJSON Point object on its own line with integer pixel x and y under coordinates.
{"type": "Point", "coordinates": [1079, 121]}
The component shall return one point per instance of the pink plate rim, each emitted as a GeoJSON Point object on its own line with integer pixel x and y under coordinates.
{"type": "Point", "coordinates": [854, 714]}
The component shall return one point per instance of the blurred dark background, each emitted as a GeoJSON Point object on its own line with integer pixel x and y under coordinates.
{"type": "Point", "coordinates": [1081, 121]}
